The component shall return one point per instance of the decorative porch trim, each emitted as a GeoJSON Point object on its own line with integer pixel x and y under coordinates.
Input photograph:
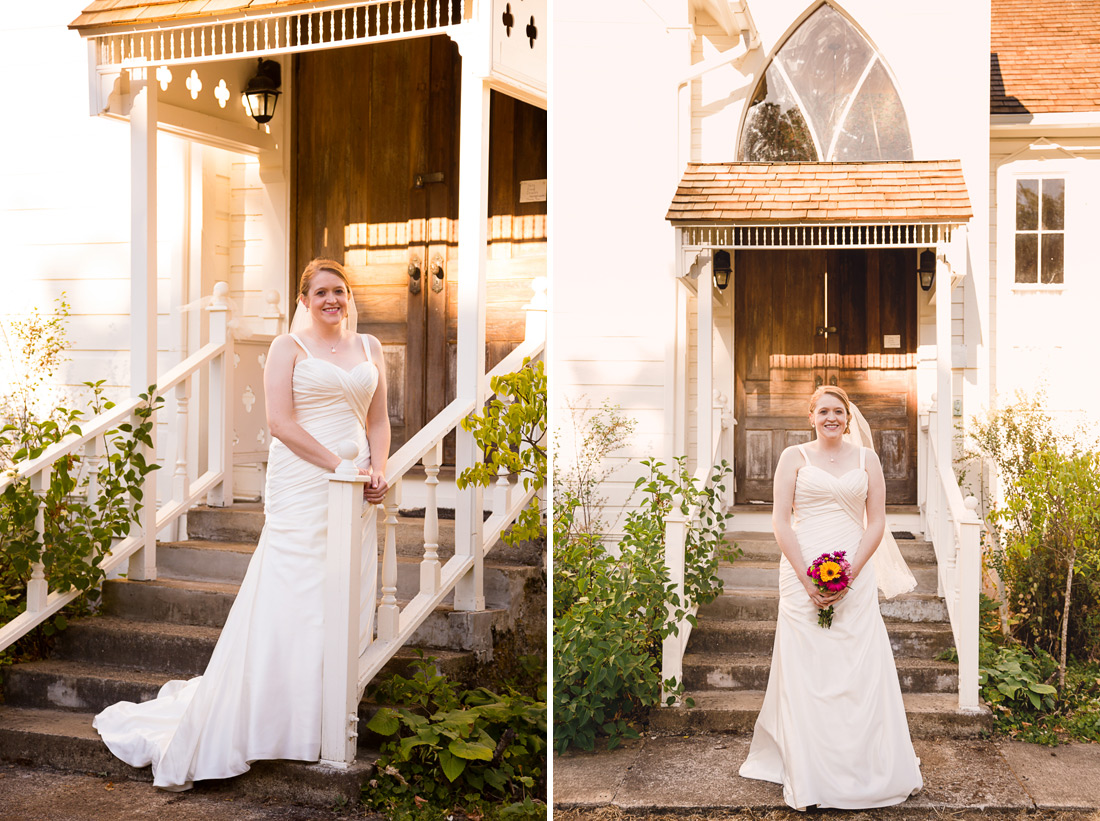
{"type": "Point", "coordinates": [831, 235]}
{"type": "Point", "coordinates": [264, 35]}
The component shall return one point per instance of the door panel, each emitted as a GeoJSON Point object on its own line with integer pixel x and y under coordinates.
{"type": "Point", "coordinates": [786, 344]}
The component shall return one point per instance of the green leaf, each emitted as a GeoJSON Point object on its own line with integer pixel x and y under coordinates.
{"type": "Point", "coordinates": [471, 750]}
{"type": "Point", "coordinates": [452, 765]}
{"type": "Point", "coordinates": [384, 722]}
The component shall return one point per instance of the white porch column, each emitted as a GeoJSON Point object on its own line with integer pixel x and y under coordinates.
{"type": "Point", "coordinates": [143, 287]}
{"type": "Point", "coordinates": [704, 335]}
{"type": "Point", "coordinates": [944, 401]}
{"type": "Point", "coordinates": [473, 209]}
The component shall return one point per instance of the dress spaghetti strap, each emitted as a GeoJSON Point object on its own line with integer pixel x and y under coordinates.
{"type": "Point", "coordinates": [806, 456]}
{"type": "Point", "coordinates": [301, 345]}
{"type": "Point", "coordinates": [862, 458]}
{"type": "Point", "coordinates": [366, 345]}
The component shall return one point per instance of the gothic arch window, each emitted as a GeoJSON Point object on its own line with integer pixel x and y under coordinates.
{"type": "Point", "coordinates": [826, 95]}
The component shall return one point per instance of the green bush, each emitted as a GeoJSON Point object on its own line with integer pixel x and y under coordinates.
{"type": "Point", "coordinates": [510, 433]}
{"type": "Point", "coordinates": [458, 748]}
{"type": "Point", "coordinates": [78, 531]}
{"type": "Point", "coordinates": [611, 608]}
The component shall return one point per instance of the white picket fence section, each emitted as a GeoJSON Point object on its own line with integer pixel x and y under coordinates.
{"type": "Point", "coordinates": [952, 525]}
{"type": "Point", "coordinates": [677, 524]}
{"type": "Point", "coordinates": [214, 361]}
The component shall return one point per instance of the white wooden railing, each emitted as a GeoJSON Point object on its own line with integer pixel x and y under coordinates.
{"type": "Point", "coordinates": [346, 673]}
{"type": "Point", "coordinates": [215, 485]}
{"type": "Point", "coordinates": [677, 524]}
{"type": "Point", "coordinates": [953, 527]}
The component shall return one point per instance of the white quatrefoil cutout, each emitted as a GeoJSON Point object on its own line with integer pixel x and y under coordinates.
{"type": "Point", "coordinates": [261, 436]}
{"type": "Point", "coordinates": [164, 77]}
{"type": "Point", "coordinates": [248, 398]}
{"type": "Point", "coordinates": [262, 359]}
{"type": "Point", "coordinates": [236, 439]}
{"type": "Point", "coordinates": [222, 93]}
{"type": "Point", "coordinates": [236, 359]}
{"type": "Point", "coordinates": [194, 84]}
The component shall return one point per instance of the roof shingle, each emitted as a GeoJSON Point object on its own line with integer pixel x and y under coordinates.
{"type": "Point", "coordinates": [822, 192]}
{"type": "Point", "coordinates": [1045, 56]}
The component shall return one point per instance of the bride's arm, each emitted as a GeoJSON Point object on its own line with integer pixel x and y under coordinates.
{"type": "Point", "coordinates": [279, 402]}
{"type": "Point", "coordinates": [782, 505]}
{"type": "Point", "coordinates": [378, 429]}
{"type": "Point", "coordinates": [876, 514]}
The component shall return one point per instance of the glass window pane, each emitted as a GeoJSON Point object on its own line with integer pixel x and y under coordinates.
{"type": "Point", "coordinates": [876, 127]}
{"type": "Point", "coordinates": [1027, 205]}
{"type": "Point", "coordinates": [825, 57]}
{"type": "Point", "coordinates": [1054, 202]}
{"type": "Point", "coordinates": [1053, 250]}
{"type": "Point", "coordinates": [1027, 257]}
{"type": "Point", "coordinates": [775, 130]}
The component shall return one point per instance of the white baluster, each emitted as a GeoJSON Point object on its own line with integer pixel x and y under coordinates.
{"type": "Point", "coordinates": [502, 492]}
{"type": "Point", "coordinates": [672, 648]}
{"type": "Point", "coordinates": [340, 664]}
{"type": "Point", "coordinates": [37, 588]}
{"type": "Point", "coordinates": [220, 414]}
{"type": "Point", "coordinates": [181, 482]}
{"type": "Point", "coordinates": [388, 611]}
{"type": "Point", "coordinates": [968, 578]}
{"type": "Point", "coordinates": [94, 463]}
{"type": "Point", "coordinates": [430, 566]}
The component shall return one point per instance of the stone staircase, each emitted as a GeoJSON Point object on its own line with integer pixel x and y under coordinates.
{"type": "Point", "coordinates": [149, 632]}
{"type": "Point", "coordinates": [729, 653]}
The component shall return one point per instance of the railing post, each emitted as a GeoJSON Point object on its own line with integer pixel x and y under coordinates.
{"type": "Point", "coordinates": [142, 565]}
{"type": "Point", "coordinates": [672, 647]}
{"type": "Point", "coordinates": [429, 566]}
{"type": "Point", "coordinates": [388, 612]}
{"type": "Point", "coordinates": [340, 665]}
{"type": "Point", "coordinates": [37, 587]}
{"type": "Point", "coordinates": [968, 582]}
{"type": "Point", "coordinates": [273, 314]}
{"type": "Point", "coordinates": [220, 434]}
{"type": "Point", "coordinates": [923, 468]}
{"type": "Point", "coordinates": [181, 482]}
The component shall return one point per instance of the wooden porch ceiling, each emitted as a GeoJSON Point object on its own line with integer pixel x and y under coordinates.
{"type": "Point", "coordinates": [749, 193]}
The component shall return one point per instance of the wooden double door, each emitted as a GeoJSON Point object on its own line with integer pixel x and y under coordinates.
{"type": "Point", "coordinates": [804, 318]}
{"type": "Point", "coordinates": [375, 186]}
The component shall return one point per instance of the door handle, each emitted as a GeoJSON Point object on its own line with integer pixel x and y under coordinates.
{"type": "Point", "coordinates": [818, 381]}
{"type": "Point", "coordinates": [435, 271]}
{"type": "Point", "coordinates": [414, 274]}
{"type": "Point", "coordinates": [826, 329]}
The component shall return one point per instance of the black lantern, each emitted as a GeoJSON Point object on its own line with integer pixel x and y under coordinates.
{"type": "Point", "coordinates": [262, 91]}
{"type": "Point", "coordinates": [926, 270]}
{"type": "Point", "coordinates": [722, 269]}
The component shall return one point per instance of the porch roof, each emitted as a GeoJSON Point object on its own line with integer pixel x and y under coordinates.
{"type": "Point", "coordinates": [105, 14]}
{"type": "Point", "coordinates": [1045, 56]}
{"type": "Point", "coordinates": [747, 193]}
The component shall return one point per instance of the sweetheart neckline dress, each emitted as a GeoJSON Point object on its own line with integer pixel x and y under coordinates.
{"type": "Point", "coordinates": [260, 696]}
{"type": "Point", "coordinates": [832, 729]}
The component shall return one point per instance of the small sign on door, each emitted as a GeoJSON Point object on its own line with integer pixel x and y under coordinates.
{"type": "Point", "coordinates": [532, 191]}
{"type": "Point", "coordinates": [891, 341]}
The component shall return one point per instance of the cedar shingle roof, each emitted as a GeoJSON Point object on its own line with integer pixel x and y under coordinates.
{"type": "Point", "coordinates": [100, 14]}
{"type": "Point", "coordinates": [1045, 56]}
{"type": "Point", "coordinates": [748, 192]}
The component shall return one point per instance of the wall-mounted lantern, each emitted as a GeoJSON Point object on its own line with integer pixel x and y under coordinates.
{"type": "Point", "coordinates": [926, 270]}
{"type": "Point", "coordinates": [722, 269]}
{"type": "Point", "coordinates": [262, 92]}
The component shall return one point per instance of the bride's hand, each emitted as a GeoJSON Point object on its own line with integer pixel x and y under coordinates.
{"type": "Point", "coordinates": [374, 491]}
{"type": "Point", "coordinates": [816, 596]}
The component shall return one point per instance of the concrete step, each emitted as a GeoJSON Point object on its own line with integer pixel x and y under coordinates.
{"type": "Point", "coordinates": [763, 547]}
{"type": "Point", "coordinates": [762, 605]}
{"type": "Point", "coordinates": [931, 715]}
{"type": "Point", "coordinates": [719, 671]}
{"type": "Point", "coordinates": [909, 640]}
{"type": "Point", "coordinates": [66, 740]}
{"type": "Point", "coordinates": [763, 574]}
{"type": "Point", "coordinates": [226, 563]}
{"type": "Point", "coordinates": [58, 684]}
{"type": "Point", "coordinates": [241, 524]}
{"type": "Point", "coordinates": [190, 601]}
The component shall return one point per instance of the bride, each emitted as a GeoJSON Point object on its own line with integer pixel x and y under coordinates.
{"type": "Point", "coordinates": [832, 729]}
{"type": "Point", "coordinates": [260, 697]}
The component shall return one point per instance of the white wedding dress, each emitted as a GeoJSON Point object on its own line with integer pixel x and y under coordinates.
{"type": "Point", "coordinates": [260, 697]}
{"type": "Point", "coordinates": [832, 729]}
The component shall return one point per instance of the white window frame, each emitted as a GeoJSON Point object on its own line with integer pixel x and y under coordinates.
{"type": "Point", "coordinates": [1040, 177]}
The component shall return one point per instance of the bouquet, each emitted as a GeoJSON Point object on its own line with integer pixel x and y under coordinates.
{"type": "Point", "coordinates": [831, 573]}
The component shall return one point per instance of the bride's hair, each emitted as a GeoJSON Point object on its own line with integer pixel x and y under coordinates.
{"type": "Point", "coordinates": [835, 391]}
{"type": "Point", "coordinates": [315, 267]}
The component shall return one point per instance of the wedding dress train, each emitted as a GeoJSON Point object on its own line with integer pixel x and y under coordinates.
{"type": "Point", "coordinates": [832, 729]}
{"type": "Point", "coordinates": [260, 697]}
